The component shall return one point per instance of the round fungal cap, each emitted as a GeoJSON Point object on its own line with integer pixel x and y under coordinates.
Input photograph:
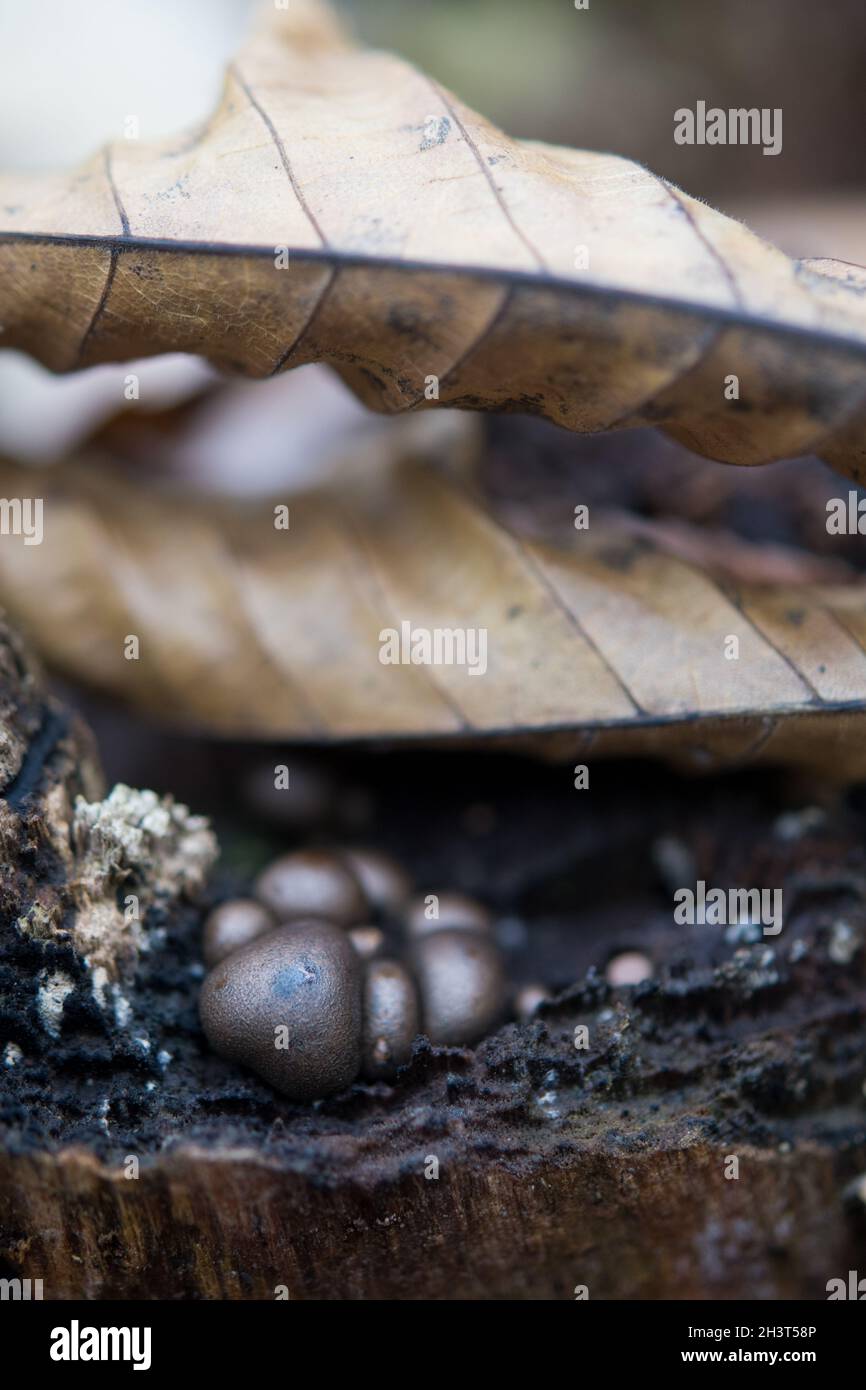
{"type": "Point", "coordinates": [461, 980]}
{"type": "Point", "coordinates": [383, 882]}
{"type": "Point", "coordinates": [311, 883]}
{"type": "Point", "coordinates": [231, 925]}
{"type": "Point", "coordinates": [288, 1005]}
{"type": "Point", "coordinates": [446, 912]}
{"type": "Point", "coordinates": [391, 1017]}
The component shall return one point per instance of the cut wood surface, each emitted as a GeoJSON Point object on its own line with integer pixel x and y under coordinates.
{"type": "Point", "coordinates": [662, 1223]}
{"type": "Point", "coordinates": [423, 243]}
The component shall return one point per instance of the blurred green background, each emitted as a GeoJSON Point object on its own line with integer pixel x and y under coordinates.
{"type": "Point", "coordinates": [610, 78]}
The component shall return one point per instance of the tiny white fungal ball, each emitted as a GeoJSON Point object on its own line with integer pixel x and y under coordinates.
{"type": "Point", "coordinates": [528, 999]}
{"type": "Point", "coordinates": [628, 968]}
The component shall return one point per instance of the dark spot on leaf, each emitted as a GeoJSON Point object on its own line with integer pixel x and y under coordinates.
{"type": "Point", "coordinates": [435, 133]}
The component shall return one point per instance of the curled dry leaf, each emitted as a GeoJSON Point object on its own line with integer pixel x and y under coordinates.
{"type": "Point", "coordinates": [608, 641]}
{"type": "Point", "coordinates": [423, 243]}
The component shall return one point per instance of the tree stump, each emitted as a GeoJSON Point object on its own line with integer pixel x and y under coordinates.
{"type": "Point", "coordinates": [545, 1163]}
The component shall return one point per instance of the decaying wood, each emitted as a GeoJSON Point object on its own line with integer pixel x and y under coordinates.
{"type": "Point", "coordinates": [70, 936]}
{"type": "Point", "coordinates": [608, 1168]}
{"type": "Point", "coordinates": [47, 761]}
{"type": "Point", "coordinates": [424, 244]}
{"type": "Point", "coordinates": [658, 1221]}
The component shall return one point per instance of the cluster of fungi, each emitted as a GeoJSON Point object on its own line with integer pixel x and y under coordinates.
{"type": "Point", "coordinates": [302, 990]}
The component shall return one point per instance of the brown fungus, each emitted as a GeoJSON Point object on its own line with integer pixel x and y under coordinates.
{"type": "Point", "coordinates": [446, 912]}
{"type": "Point", "coordinates": [391, 1017]}
{"type": "Point", "coordinates": [288, 1005]}
{"type": "Point", "coordinates": [231, 925]}
{"type": "Point", "coordinates": [383, 882]}
{"type": "Point", "coordinates": [461, 979]}
{"type": "Point", "coordinates": [311, 883]}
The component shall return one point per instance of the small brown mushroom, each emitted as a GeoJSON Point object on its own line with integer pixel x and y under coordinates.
{"type": "Point", "coordinates": [461, 980]}
{"type": "Point", "coordinates": [288, 1005]}
{"type": "Point", "coordinates": [390, 1017]}
{"type": "Point", "coordinates": [231, 925]}
{"type": "Point", "coordinates": [311, 883]}
{"type": "Point", "coordinates": [383, 882]}
{"type": "Point", "coordinates": [446, 912]}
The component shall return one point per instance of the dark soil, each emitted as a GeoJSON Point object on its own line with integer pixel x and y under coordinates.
{"type": "Point", "coordinates": [750, 1041]}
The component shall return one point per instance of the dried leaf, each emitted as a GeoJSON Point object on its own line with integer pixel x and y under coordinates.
{"type": "Point", "coordinates": [612, 640]}
{"type": "Point", "coordinates": [427, 247]}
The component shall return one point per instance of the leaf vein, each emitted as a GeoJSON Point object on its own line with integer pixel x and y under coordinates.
{"type": "Point", "coordinates": [281, 150]}
{"type": "Point", "coordinates": [506, 212]}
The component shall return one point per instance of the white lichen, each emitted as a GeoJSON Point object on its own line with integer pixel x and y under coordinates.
{"type": "Point", "coordinates": [137, 839]}
{"type": "Point", "coordinates": [137, 833]}
{"type": "Point", "coordinates": [54, 986]}
{"type": "Point", "coordinates": [123, 856]}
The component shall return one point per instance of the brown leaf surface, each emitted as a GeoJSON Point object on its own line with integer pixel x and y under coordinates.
{"type": "Point", "coordinates": [605, 641]}
{"type": "Point", "coordinates": [424, 242]}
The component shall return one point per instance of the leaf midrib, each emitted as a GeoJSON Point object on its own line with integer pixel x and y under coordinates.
{"type": "Point", "coordinates": [491, 274]}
